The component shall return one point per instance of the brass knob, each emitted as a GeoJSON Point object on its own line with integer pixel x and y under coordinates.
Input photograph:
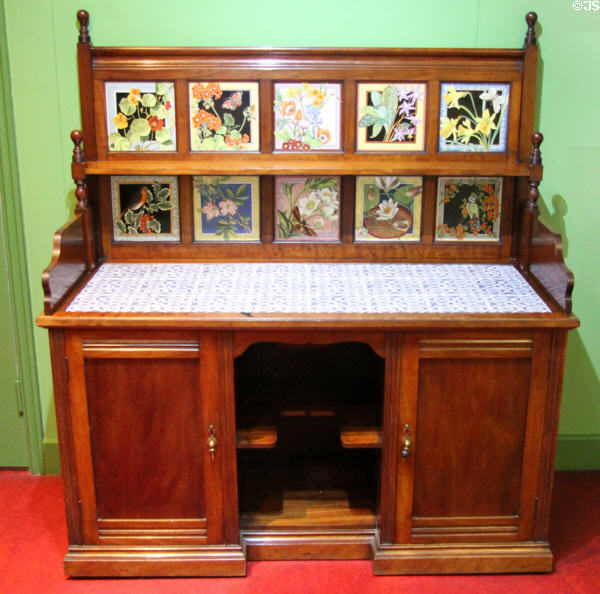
{"type": "Point", "coordinates": [211, 442]}
{"type": "Point", "coordinates": [406, 441]}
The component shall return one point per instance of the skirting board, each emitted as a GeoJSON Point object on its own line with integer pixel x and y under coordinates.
{"type": "Point", "coordinates": [51, 456]}
{"type": "Point", "coordinates": [578, 452]}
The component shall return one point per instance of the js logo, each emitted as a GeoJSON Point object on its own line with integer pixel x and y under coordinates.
{"type": "Point", "coordinates": [586, 5]}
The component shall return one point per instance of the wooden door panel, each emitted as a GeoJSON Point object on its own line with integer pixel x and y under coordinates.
{"type": "Point", "coordinates": [473, 403]}
{"type": "Point", "coordinates": [144, 418]}
{"type": "Point", "coordinates": [147, 497]}
{"type": "Point", "coordinates": [470, 426]}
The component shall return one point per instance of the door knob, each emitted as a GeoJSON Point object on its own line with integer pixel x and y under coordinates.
{"type": "Point", "coordinates": [406, 441]}
{"type": "Point", "coordinates": [211, 442]}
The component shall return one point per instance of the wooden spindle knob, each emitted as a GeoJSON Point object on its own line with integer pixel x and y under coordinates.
{"type": "Point", "coordinates": [531, 19]}
{"type": "Point", "coordinates": [536, 155]}
{"type": "Point", "coordinates": [77, 138]}
{"type": "Point", "coordinates": [83, 16]}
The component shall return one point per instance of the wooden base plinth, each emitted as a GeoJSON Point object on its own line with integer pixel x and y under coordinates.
{"type": "Point", "coordinates": [453, 559]}
{"type": "Point", "coordinates": [101, 561]}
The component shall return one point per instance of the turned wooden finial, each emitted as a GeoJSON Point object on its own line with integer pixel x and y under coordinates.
{"type": "Point", "coordinates": [536, 155]}
{"type": "Point", "coordinates": [78, 154]}
{"type": "Point", "coordinates": [83, 16]}
{"type": "Point", "coordinates": [531, 18]}
{"type": "Point", "coordinates": [78, 171]}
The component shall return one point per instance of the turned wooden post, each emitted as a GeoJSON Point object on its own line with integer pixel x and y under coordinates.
{"type": "Point", "coordinates": [535, 175]}
{"type": "Point", "coordinates": [531, 211]}
{"type": "Point", "coordinates": [78, 171]}
{"type": "Point", "coordinates": [530, 61]}
{"type": "Point", "coordinates": [82, 206]}
{"type": "Point", "coordinates": [86, 95]}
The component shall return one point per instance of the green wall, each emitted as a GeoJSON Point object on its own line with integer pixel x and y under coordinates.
{"type": "Point", "coordinates": [42, 35]}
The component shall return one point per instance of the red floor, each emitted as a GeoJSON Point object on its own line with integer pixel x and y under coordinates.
{"type": "Point", "coordinates": [33, 542]}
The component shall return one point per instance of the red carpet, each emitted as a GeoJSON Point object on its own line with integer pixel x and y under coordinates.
{"type": "Point", "coordinates": [33, 541]}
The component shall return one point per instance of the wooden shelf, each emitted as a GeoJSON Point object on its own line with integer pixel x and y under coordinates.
{"type": "Point", "coordinates": [308, 412]}
{"type": "Point", "coordinates": [314, 493]}
{"type": "Point", "coordinates": [257, 432]}
{"type": "Point", "coordinates": [315, 164]}
{"type": "Point", "coordinates": [359, 428]}
{"type": "Point", "coordinates": [310, 509]}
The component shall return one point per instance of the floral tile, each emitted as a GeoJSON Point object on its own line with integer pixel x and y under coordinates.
{"type": "Point", "coordinates": [224, 116]}
{"type": "Point", "coordinates": [473, 117]}
{"type": "Point", "coordinates": [468, 209]}
{"type": "Point", "coordinates": [308, 288]}
{"type": "Point", "coordinates": [145, 208]}
{"type": "Point", "coordinates": [391, 117]}
{"type": "Point", "coordinates": [140, 116]}
{"type": "Point", "coordinates": [308, 116]}
{"type": "Point", "coordinates": [226, 208]}
{"type": "Point", "coordinates": [388, 208]}
{"type": "Point", "coordinates": [307, 208]}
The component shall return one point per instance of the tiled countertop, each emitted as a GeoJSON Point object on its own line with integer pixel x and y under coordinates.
{"type": "Point", "coordinates": [308, 288]}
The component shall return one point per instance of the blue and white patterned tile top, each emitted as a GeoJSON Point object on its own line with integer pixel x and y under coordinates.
{"type": "Point", "coordinates": [308, 288]}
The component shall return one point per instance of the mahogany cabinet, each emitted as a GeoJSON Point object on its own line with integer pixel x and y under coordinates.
{"type": "Point", "coordinates": [389, 399]}
{"type": "Point", "coordinates": [434, 456]}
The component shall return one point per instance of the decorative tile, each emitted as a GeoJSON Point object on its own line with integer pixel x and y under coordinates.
{"type": "Point", "coordinates": [388, 208]}
{"type": "Point", "coordinates": [226, 208]}
{"type": "Point", "coordinates": [145, 208]}
{"type": "Point", "coordinates": [308, 288]}
{"type": "Point", "coordinates": [468, 209]}
{"type": "Point", "coordinates": [307, 208]}
{"type": "Point", "coordinates": [391, 117]}
{"type": "Point", "coordinates": [140, 116]}
{"type": "Point", "coordinates": [224, 116]}
{"type": "Point", "coordinates": [473, 117]}
{"type": "Point", "coordinates": [308, 116]}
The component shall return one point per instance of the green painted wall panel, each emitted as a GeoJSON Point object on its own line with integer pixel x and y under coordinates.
{"type": "Point", "coordinates": [21, 432]}
{"type": "Point", "coordinates": [43, 166]}
{"type": "Point", "coordinates": [12, 427]}
{"type": "Point", "coordinates": [43, 67]}
{"type": "Point", "coordinates": [275, 23]}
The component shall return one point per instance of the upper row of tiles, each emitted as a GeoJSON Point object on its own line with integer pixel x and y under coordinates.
{"type": "Point", "coordinates": [224, 116]}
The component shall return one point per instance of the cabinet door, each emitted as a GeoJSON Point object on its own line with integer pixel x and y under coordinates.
{"type": "Point", "coordinates": [143, 407]}
{"type": "Point", "coordinates": [474, 406]}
